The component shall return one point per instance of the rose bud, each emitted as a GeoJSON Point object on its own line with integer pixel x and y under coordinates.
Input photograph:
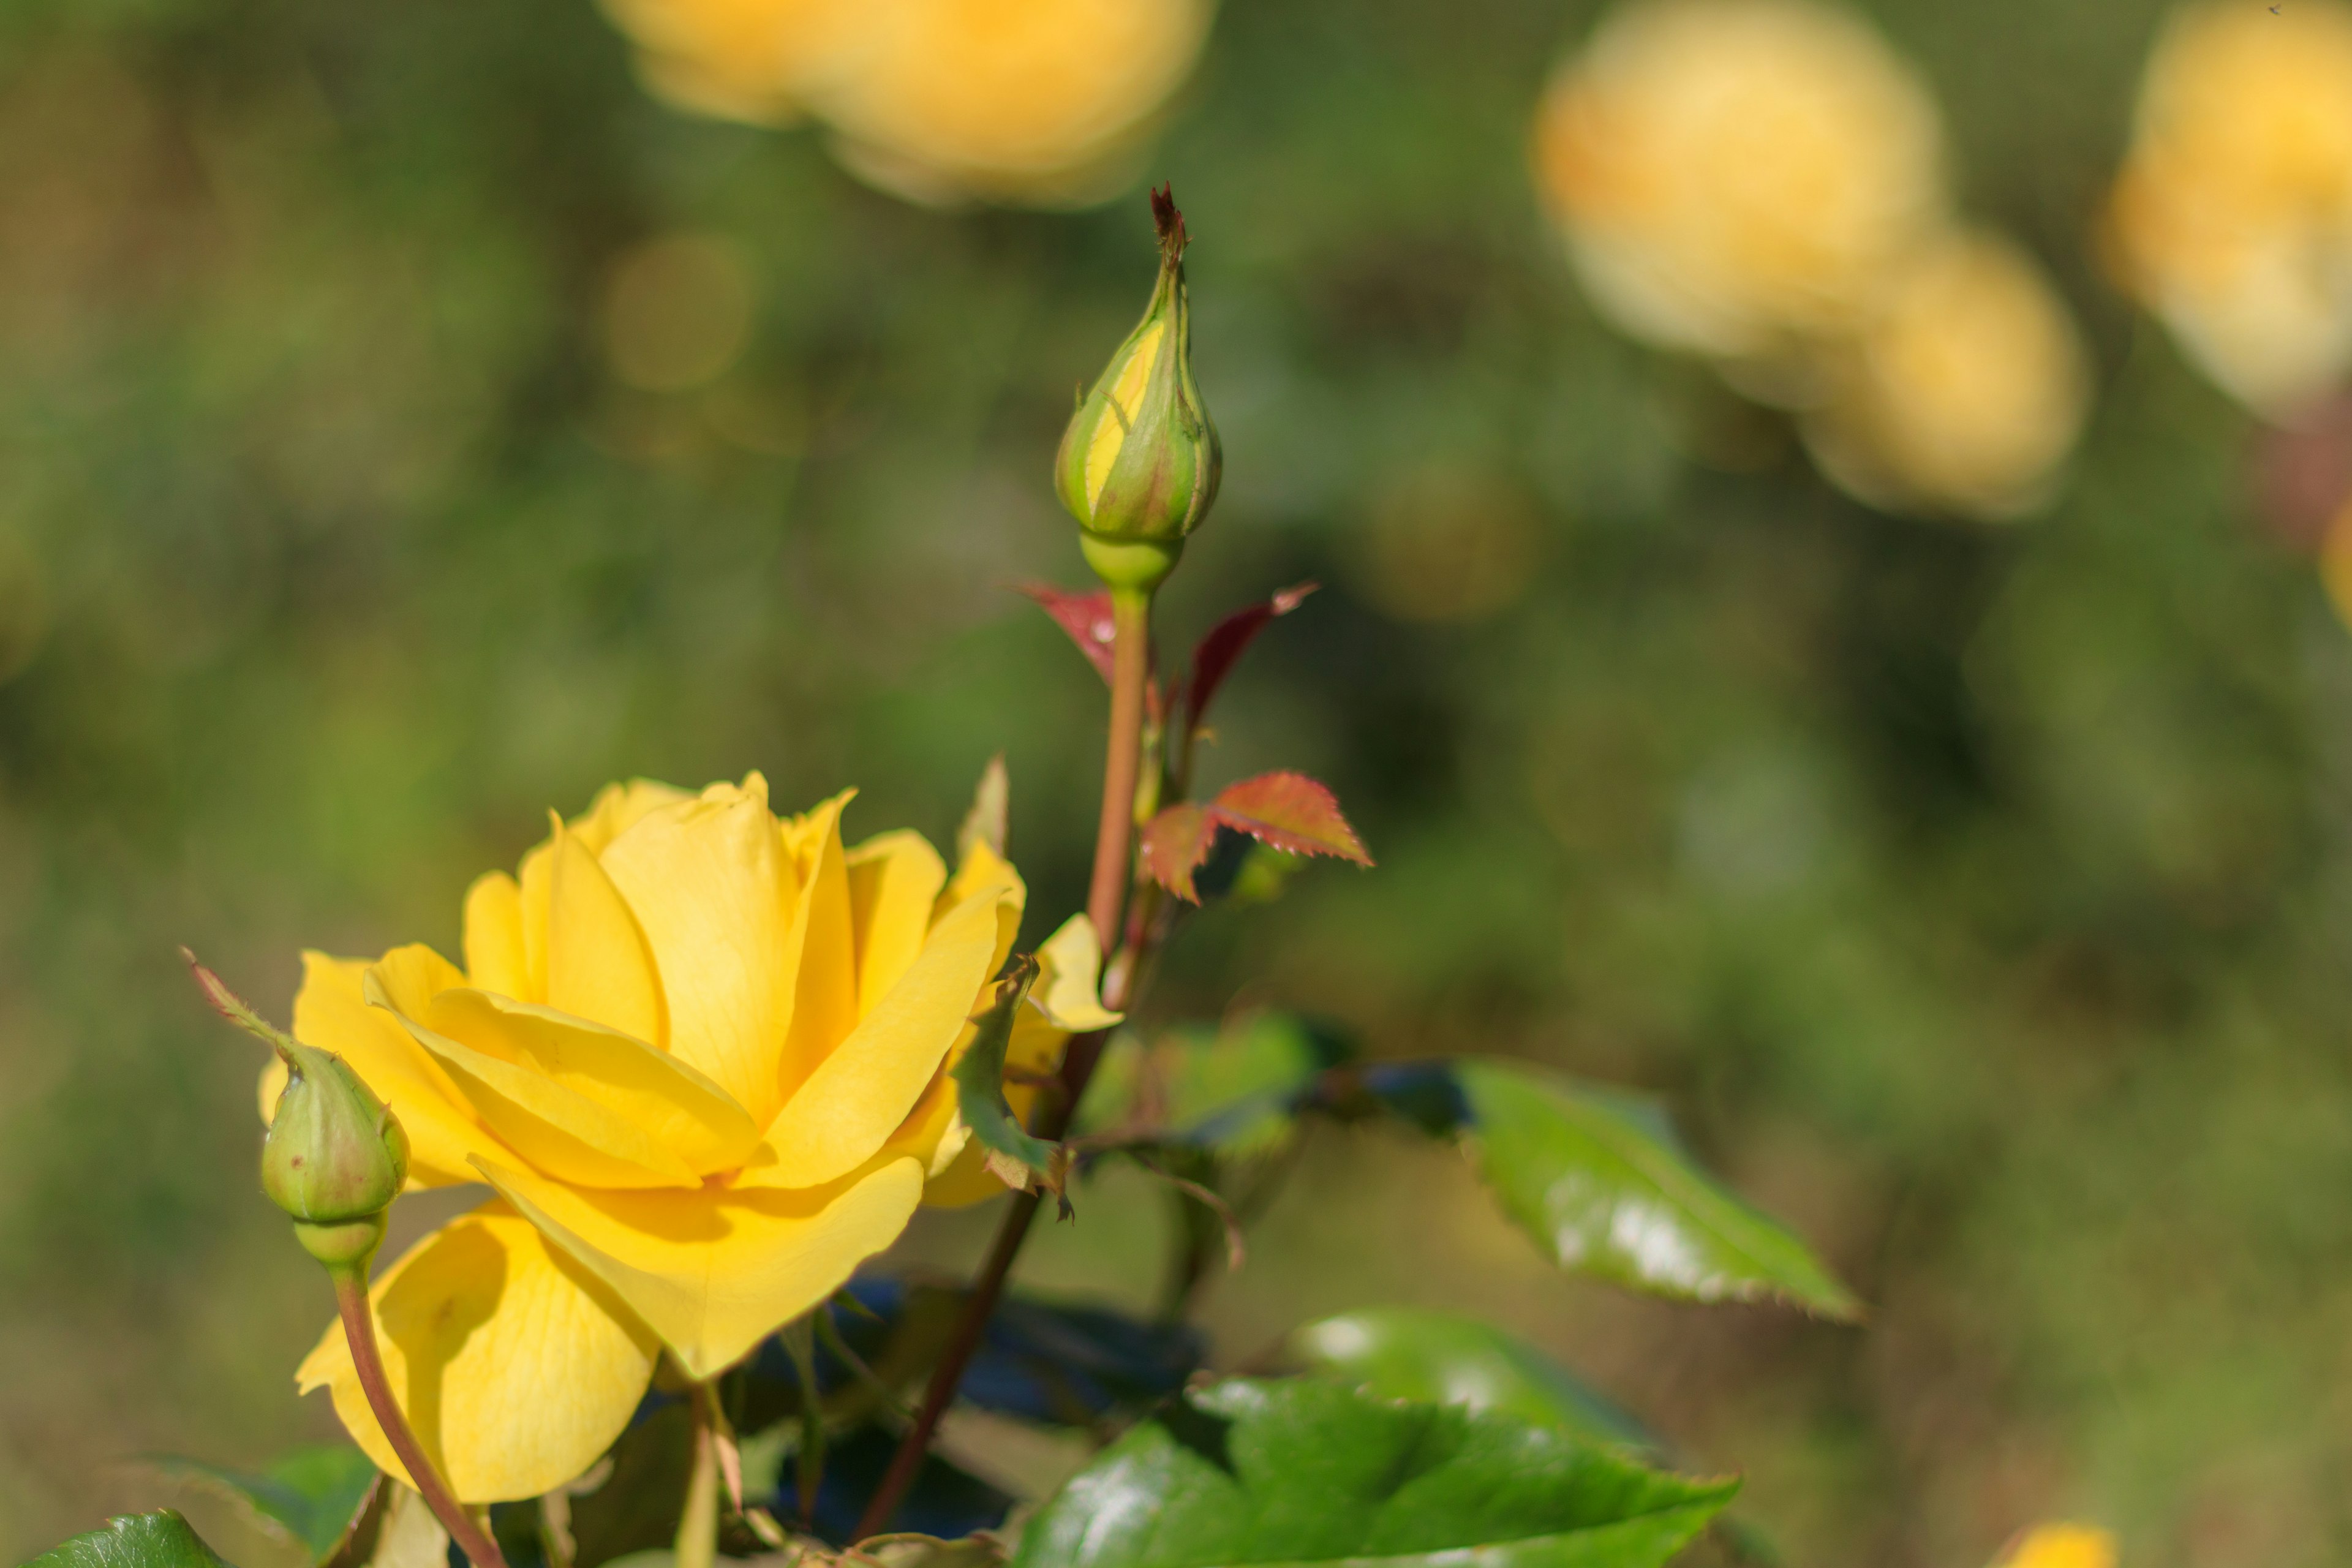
{"type": "Point", "coordinates": [1140, 463]}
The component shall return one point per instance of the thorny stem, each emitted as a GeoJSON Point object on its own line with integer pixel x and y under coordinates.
{"type": "Point", "coordinates": [1114, 869]}
{"type": "Point", "coordinates": [697, 1527]}
{"type": "Point", "coordinates": [358, 1328]}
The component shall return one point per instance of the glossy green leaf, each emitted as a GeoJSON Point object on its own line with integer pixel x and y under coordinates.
{"type": "Point", "coordinates": [312, 1494]}
{"type": "Point", "coordinates": [1443, 1358]}
{"type": "Point", "coordinates": [159, 1540]}
{"type": "Point", "coordinates": [1597, 1179]}
{"type": "Point", "coordinates": [1251, 1474]}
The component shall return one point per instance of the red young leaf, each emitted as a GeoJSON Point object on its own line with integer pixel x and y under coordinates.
{"type": "Point", "coordinates": [1217, 652]}
{"type": "Point", "coordinates": [1174, 845]}
{"type": "Point", "coordinates": [1289, 811]}
{"type": "Point", "coordinates": [1085, 616]}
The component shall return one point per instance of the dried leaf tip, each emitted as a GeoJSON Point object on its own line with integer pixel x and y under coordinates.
{"type": "Point", "coordinates": [1169, 221]}
{"type": "Point", "coordinates": [238, 1010]}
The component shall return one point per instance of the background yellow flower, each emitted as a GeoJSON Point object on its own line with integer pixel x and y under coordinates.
{"type": "Point", "coordinates": [1039, 101]}
{"type": "Point", "coordinates": [684, 1049]}
{"type": "Point", "coordinates": [1963, 394]}
{"type": "Point", "coordinates": [2232, 216]}
{"type": "Point", "coordinates": [1761, 182]}
{"type": "Point", "coordinates": [2061, 1546]}
{"type": "Point", "coordinates": [1730, 173]}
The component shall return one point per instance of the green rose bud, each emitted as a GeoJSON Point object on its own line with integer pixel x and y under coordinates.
{"type": "Point", "coordinates": [334, 1153]}
{"type": "Point", "coordinates": [1140, 463]}
{"type": "Point", "coordinates": [335, 1157]}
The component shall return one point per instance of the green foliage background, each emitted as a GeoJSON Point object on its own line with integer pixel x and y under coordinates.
{"type": "Point", "coordinates": [1978, 898]}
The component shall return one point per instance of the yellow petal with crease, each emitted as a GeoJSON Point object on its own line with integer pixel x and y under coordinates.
{"type": "Point", "coordinates": [598, 967]}
{"type": "Point", "coordinates": [865, 1090]}
{"type": "Point", "coordinates": [678, 1108]}
{"type": "Point", "coordinates": [707, 881]}
{"type": "Point", "coordinates": [714, 1271]}
{"type": "Point", "coordinates": [556, 1130]}
{"type": "Point", "coordinates": [823, 950]}
{"type": "Point", "coordinates": [494, 958]}
{"type": "Point", "coordinates": [893, 880]}
{"type": "Point", "coordinates": [410, 977]}
{"type": "Point", "coordinates": [515, 1367]}
{"type": "Point", "coordinates": [331, 1012]}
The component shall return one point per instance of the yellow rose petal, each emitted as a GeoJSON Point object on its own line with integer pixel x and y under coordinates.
{"type": "Point", "coordinates": [678, 1108]}
{"type": "Point", "coordinates": [331, 1012]}
{"type": "Point", "coordinates": [515, 1367]}
{"type": "Point", "coordinates": [556, 1130]}
{"type": "Point", "coordinates": [495, 956]}
{"type": "Point", "coordinates": [714, 1271]}
{"type": "Point", "coordinates": [619, 807]}
{"type": "Point", "coordinates": [537, 888]}
{"type": "Point", "coordinates": [1070, 979]}
{"type": "Point", "coordinates": [865, 1088]}
{"type": "Point", "coordinates": [981, 869]}
{"type": "Point", "coordinates": [822, 953]}
{"type": "Point", "coordinates": [893, 881]}
{"type": "Point", "coordinates": [598, 967]}
{"type": "Point", "coordinates": [707, 882]}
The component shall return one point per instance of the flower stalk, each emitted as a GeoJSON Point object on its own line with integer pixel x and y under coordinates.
{"type": "Point", "coordinates": [1114, 874]}
{"type": "Point", "coordinates": [334, 1159]}
{"type": "Point", "coordinates": [358, 1327]}
{"type": "Point", "coordinates": [697, 1527]}
{"type": "Point", "coordinates": [1114, 866]}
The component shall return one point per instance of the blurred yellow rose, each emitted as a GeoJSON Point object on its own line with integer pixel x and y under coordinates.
{"type": "Point", "coordinates": [1044, 101]}
{"type": "Point", "coordinates": [737, 59]}
{"type": "Point", "coordinates": [1731, 173]}
{"type": "Point", "coordinates": [1041, 101]}
{"type": "Point", "coordinates": [1964, 394]}
{"type": "Point", "coordinates": [2232, 216]}
{"type": "Point", "coordinates": [2061, 1546]}
{"type": "Point", "coordinates": [699, 1052]}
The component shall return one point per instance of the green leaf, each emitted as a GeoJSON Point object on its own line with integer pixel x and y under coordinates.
{"type": "Point", "coordinates": [159, 1540]}
{"type": "Point", "coordinates": [311, 1495]}
{"type": "Point", "coordinates": [1014, 1154]}
{"type": "Point", "coordinates": [1251, 1474]}
{"type": "Point", "coordinates": [1595, 1177]}
{"type": "Point", "coordinates": [1443, 1358]}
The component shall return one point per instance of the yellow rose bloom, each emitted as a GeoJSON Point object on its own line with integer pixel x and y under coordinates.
{"type": "Point", "coordinates": [1730, 173]}
{"type": "Point", "coordinates": [735, 60]}
{"type": "Point", "coordinates": [699, 1053]}
{"type": "Point", "coordinates": [2062, 1546]}
{"type": "Point", "coordinates": [1046, 102]}
{"type": "Point", "coordinates": [1964, 394]}
{"type": "Point", "coordinates": [2232, 216]}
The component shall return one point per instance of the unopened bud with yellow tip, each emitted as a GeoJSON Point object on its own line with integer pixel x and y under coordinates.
{"type": "Point", "coordinates": [1140, 463]}
{"type": "Point", "coordinates": [335, 1157]}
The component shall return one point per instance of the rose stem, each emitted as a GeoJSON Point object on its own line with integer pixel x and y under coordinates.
{"type": "Point", "coordinates": [1114, 868]}
{"type": "Point", "coordinates": [359, 1330]}
{"type": "Point", "coordinates": [698, 1528]}
{"type": "Point", "coordinates": [1131, 672]}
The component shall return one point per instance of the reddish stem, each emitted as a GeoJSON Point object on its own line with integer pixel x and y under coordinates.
{"type": "Point", "coordinates": [359, 1330]}
{"type": "Point", "coordinates": [1114, 838]}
